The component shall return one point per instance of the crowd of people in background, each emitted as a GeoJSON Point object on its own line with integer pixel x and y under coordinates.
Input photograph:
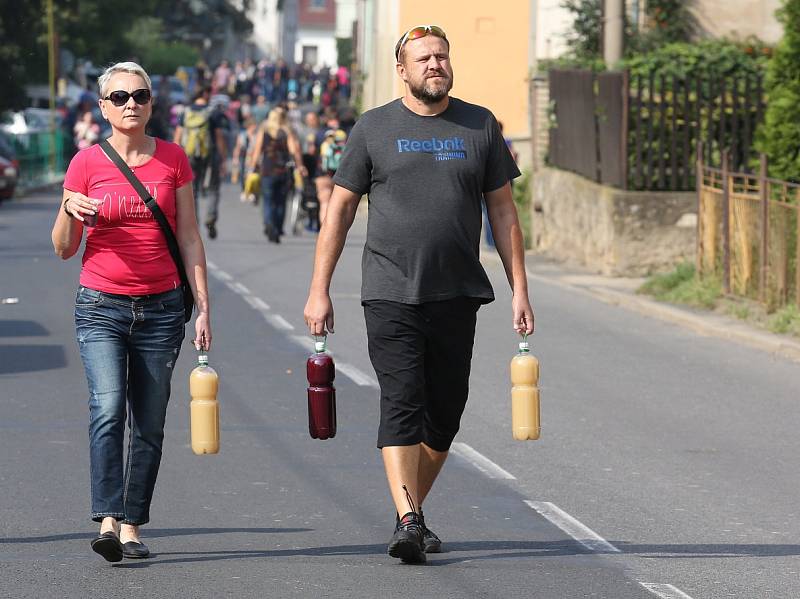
{"type": "Point", "coordinates": [273, 128]}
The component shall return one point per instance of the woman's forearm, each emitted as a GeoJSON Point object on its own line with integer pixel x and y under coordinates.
{"type": "Point", "coordinates": [66, 234]}
{"type": "Point", "coordinates": [194, 259]}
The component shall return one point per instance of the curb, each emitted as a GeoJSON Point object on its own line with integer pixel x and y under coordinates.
{"type": "Point", "coordinates": [710, 325]}
{"type": "Point", "coordinates": [704, 324]}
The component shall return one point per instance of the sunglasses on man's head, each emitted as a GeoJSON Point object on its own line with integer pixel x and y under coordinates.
{"type": "Point", "coordinates": [417, 32]}
{"type": "Point", "coordinates": [120, 97]}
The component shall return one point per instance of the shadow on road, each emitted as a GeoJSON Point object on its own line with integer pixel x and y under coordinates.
{"type": "Point", "coordinates": [477, 551]}
{"type": "Point", "coordinates": [22, 328]}
{"type": "Point", "coordinates": [151, 533]}
{"type": "Point", "coordinates": [31, 358]}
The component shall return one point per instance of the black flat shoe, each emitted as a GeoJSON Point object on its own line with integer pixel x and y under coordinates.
{"type": "Point", "coordinates": [108, 546]}
{"type": "Point", "coordinates": [135, 550]}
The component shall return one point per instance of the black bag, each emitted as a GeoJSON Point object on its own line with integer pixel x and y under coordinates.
{"type": "Point", "coordinates": [172, 243]}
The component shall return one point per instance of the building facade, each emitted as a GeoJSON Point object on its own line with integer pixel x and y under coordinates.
{"type": "Point", "coordinates": [489, 51]}
{"type": "Point", "coordinates": [316, 33]}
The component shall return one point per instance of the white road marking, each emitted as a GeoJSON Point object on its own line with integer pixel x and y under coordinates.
{"type": "Point", "coordinates": [211, 265]}
{"type": "Point", "coordinates": [279, 322]}
{"type": "Point", "coordinates": [480, 461]}
{"type": "Point", "coordinates": [241, 289]}
{"type": "Point", "coordinates": [354, 374]}
{"type": "Point", "coordinates": [574, 528]}
{"type": "Point", "coordinates": [305, 342]}
{"type": "Point", "coordinates": [665, 591]}
{"type": "Point", "coordinates": [251, 299]}
{"type": "Point", "coordinates": [260, 304]}
{"type": "Point", "coordinates": [222, 275]}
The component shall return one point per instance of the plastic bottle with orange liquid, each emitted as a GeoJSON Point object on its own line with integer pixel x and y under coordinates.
{"type": "Point", "coordinates": [204, 408]}
{"type": "Point", "coordinates": [525, 423]}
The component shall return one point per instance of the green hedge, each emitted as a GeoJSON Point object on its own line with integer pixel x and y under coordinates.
{"type": "Point", "coordinates": [779, 136]}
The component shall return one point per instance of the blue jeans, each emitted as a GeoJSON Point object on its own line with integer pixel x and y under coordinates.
{"type": "Point", "coordinates": [129, 346]}
{"type": "Point", "coordinates": [275, 189]}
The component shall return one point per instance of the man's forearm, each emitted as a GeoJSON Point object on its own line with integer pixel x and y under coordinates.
{"type": "Point", "coordinates": [508, 238]}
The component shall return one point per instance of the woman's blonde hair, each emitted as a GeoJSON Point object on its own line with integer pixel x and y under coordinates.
{"type": "Point", "coordinates": [276, 121]}
{"type": "Point", "coordinates": [122, 67]}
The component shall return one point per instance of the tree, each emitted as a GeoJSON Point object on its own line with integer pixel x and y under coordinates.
{"type": "Point", "coordinates": [779, 135]}
{"type": "Point", "coordinates": [23, 50]}
{"type": "Point", "coordinates": [584, 41]}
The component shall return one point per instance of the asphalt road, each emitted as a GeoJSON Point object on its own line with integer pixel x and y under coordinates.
{"type": "Point", "coordinates": [667, 465]}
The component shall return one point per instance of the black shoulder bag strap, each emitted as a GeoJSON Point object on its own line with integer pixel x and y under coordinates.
{"type": "Point", "coordinates": [172, 242]}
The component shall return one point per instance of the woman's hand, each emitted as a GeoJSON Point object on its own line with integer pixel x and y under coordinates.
{"type": "Point", "coordinates": [79, 205]}
{"type": "Point", "coordinates": [202, 332]}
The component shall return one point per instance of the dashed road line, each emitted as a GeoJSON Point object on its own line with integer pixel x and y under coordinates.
{"type": "Point", "coordinates": [665, 591]}
{"type": "Point", "coordinates": [222, 275]}
{"type": "Point", "coordinates": [259, 304]}
{"type": "Point", "coordinates": [279, 322]}
{"type": "Point", "coordinates": [354, 374]}
{"type": "Point", "coordinates": [573, 527]}
{"type": "Point", "coordinates": [305, 342]}
{"type": "Point", "coordinates": [480, 461]}
{"type": "Point", "coordinates": [241, 289]}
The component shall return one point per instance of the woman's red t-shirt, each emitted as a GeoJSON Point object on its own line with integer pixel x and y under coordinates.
{"type": "Point", "coordinates": [126, 253]}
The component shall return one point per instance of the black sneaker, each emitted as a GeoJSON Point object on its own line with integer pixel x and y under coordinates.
{"type": "Point", "coordinates": [430, 541]}
{"type": "Point", "coordinates": [212, 229]}
{"type": "Point", "coordinates": [406, 542]}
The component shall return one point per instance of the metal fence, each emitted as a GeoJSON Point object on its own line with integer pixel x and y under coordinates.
{"type": "Point", "coordinates": [748, 230]}
{"type": "Point", "coordinates": [642, 132]}
{"type": "Point", "coordinates": [41, 157]}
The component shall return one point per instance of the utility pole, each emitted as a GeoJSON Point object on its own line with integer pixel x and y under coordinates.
{"type": "Point", "coordinates": [51, 71]}
{"type": "Point", "coordinates": [613, 31]}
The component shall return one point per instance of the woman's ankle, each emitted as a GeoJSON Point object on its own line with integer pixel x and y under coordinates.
{"type": "Point", "coordinates": [129, 532]}
{"type": "Point", "coordinates": [109, 524]}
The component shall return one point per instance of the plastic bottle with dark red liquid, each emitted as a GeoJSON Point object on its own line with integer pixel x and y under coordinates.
{"type": "Point", "coordinates": [321, 393]}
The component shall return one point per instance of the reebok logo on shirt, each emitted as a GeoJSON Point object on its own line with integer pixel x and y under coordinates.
{"type": "Point", "coordinates": [451, 148]}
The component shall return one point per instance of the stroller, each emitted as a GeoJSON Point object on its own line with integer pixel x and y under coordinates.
{"type": "Point", "coordinates": [305, 206]}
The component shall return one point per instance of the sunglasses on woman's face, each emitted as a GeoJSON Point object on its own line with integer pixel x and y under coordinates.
{"type": "Point", "coordinates": [120, 97]}
{"type": "Point", "coordinates": [417, 32]}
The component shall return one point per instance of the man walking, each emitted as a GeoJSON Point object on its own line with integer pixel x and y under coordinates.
{"type": "Point", "coordinates": [201, 132]}
{"type": "Point", "coordinates": [426, 160]}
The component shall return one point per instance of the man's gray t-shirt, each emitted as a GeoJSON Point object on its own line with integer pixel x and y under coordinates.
{"type": "Point", "coordinates": [425, 176]}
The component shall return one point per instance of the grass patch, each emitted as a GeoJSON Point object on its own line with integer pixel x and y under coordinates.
{"type": "Point", "coordinates": [683, 286]}
{"type": "Point", "coordinates": [785, 320]}
{"type": "Point", "coordinates": [739, 310]}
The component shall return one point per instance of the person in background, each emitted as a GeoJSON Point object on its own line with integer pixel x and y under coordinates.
{"type": "Point", "coordinates": [427, 161]}
{"type": "Point", "coordinates": [129, 309]}
{"type": "Point", "coordinates": [201, 132]}
{"type": "Point", "coordinates": [242, 155]}
{"type": "Point", "coordinates": [276, 145]}
{"type": "Point", "coordinates": [260, 110]}
{"type": "Point", "coordinates": [159, 123]}
{"type": "Point", "coordinates": [222, 75]}
{"type": "Point", "coordinates": [87, 132]}
{"type": "Point", "coordinates": [343, 78]}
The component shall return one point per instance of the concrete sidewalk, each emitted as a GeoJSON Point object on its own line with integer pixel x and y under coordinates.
{"type": "Point", "coordinates": [621, 291]}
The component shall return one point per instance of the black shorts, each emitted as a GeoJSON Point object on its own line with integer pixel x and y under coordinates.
{"type": "Point", "coordinates": [421, 354]}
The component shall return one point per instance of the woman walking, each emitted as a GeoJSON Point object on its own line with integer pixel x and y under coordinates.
{"type": "Point", "coordinates": [129, 309]}
{"type": "Point", "coordinates": [276, 145]}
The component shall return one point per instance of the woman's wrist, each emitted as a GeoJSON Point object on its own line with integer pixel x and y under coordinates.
{"type": "Point", "coordinates": [66, 210]}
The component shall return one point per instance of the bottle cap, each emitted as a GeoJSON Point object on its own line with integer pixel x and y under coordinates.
{"type": "Point", "coordinates": [202, 359]}
{"type": "Point", "coordinates": [319, 346]}
{"type": "Point", "coordinates": [524, 346]}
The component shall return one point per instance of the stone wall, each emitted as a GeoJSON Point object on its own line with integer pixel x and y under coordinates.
{"type": "Point", "coordinates": [610, 231]}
